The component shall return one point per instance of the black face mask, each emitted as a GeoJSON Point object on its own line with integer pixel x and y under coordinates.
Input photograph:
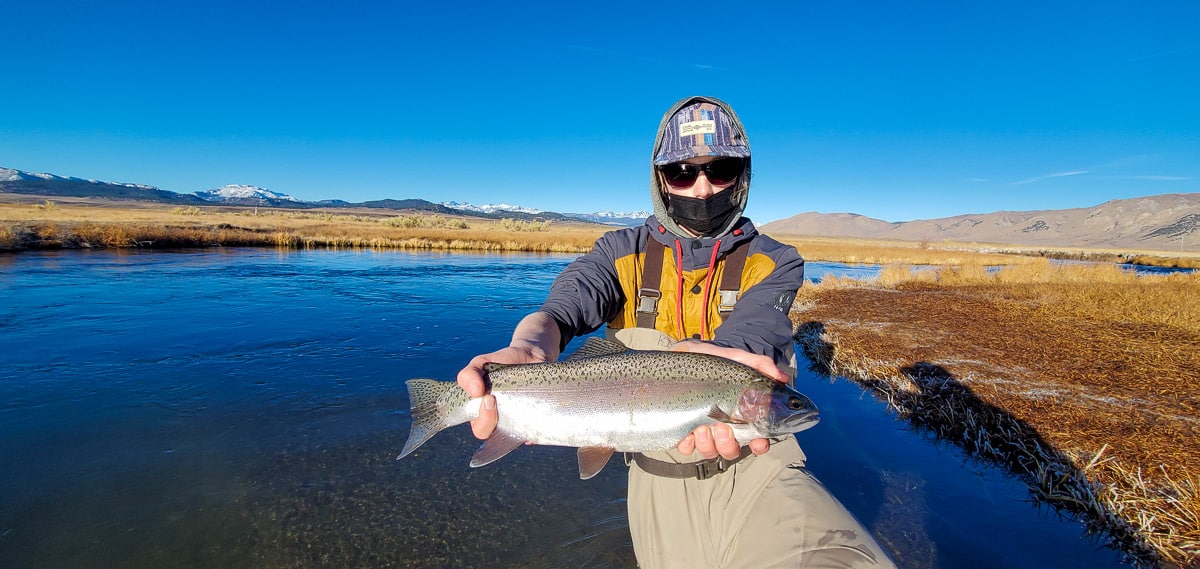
{"type": "Point", "coordinates": [704, 216]}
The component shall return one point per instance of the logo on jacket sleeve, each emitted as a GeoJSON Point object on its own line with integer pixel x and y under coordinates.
{"type": "Point", "coordinates": [783, 301]}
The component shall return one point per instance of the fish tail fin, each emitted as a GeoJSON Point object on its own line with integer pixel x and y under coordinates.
{"type": "Point", "coordinates": [427, 398]}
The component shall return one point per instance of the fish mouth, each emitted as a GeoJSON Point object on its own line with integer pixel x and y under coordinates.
{"type": "Point", "coordinates": [800, 421]}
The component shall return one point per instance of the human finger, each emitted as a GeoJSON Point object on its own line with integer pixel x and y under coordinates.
{"type": "Point", "coordinates": [485, 423]}
{"type": "Point", "coordinates": [471, 378]}
{"type": "Point", "coordinates": [705, 444]}
{"type": "Point", "coordinates": [762, 364]}
{"type": "Point", "coordinates": [759, 446]}
{"type": "Point", "coordinates": [724, 442]}
{"type": "Point", "coordinates": [687, 445]}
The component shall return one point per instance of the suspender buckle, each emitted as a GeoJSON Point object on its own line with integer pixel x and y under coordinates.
{"type": "Point", "coordinates": [648, 301]}
{"type": "Point", "coordinates": [728, 299]}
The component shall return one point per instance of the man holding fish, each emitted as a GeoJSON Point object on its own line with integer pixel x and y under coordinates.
{"type": "Point", "coordinates": [696, 278]}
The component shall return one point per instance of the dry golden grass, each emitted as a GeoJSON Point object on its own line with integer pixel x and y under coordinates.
{"type": "Point", "coordinates": [50, 225]}
{"type": "Point", "coordinates": [883, 252]}
{"type": "Point", "coordinates": [1085, 380]}
{"type": "Point", "coordinates": [28, 222]}
{"type": "Point", "coordinates": [880, 252]}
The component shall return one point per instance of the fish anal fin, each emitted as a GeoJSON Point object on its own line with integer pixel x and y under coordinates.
{"type": "Point", "coordinates": [592, 460]}
{"type": "Point", "coordinates": [719, 415]}
{"type": "Point", "coordinates": [493, 449]}
{"type": "Point", "coordinates": [596, 346]}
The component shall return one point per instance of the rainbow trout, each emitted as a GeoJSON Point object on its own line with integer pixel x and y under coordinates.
{"type": "Point", "coordinates": [606, 398]}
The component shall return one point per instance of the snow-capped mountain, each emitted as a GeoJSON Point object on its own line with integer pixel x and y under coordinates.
{"type": "Point", "coordinates": [10, 175]}
{"type": "Point", "coordinates": [20, 182]}
{"type": "Point", "coordinates": [628, 218]}
{"type": "Point", "coordinates": [625, 218]}
{"type": "Point", "coordinates": [239, 192]}
{"type": "Point", "coordinates": [491, 208]}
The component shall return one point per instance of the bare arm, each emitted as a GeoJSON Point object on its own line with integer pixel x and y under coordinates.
{"type": "Point", "coordinates": [535, 339]}
{"type": "Point", "coordinates": [717, 438]}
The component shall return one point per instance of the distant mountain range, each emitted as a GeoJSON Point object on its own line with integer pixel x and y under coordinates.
{"type": "Point", "coordinates": [1167, 222]}
{"type": "Point", "coordinates": [52, 185]}
{"type": "Point", "coordinates": [605, 217]}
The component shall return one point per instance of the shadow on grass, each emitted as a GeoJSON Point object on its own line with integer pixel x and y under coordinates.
{"type": "Point", "coordinates": [929, 397]}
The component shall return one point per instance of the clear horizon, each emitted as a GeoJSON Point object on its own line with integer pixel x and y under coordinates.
{"type": "Point", "coordinates": [896, 112]}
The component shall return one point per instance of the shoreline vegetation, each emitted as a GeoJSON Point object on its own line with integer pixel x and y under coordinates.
{"type": "Point", "coordinates": [51, 225]}
{"type": "Point", "coordinates": [33, 223]}
{"type": "Point", "coordinates": [1083, 379]}
{"type": "Point", "coordinates": [1080, 379]}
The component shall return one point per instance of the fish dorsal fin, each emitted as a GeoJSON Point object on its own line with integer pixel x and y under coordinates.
{"type": "Point", "coordinates": [592, 460]}
{"type": "Point", "coordinates": [718, 415]}
{"type": "Point", "coordinates": [595, 346]}
{"type": "Point", "coordinates": [490, 367]}
{"type": "Point", "coordinates": [497, 445]}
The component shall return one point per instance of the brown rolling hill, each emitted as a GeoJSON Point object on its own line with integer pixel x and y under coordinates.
{"type": "Point", "coordinates": [1166, 222]}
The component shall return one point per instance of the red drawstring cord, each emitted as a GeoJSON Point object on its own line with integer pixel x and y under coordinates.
{"type": "Point", "coordinates": [679, 290]}
{"type": "Point", "coordinates": [712, 264]}
{"type": "Point", "coordinates": [712, 268]}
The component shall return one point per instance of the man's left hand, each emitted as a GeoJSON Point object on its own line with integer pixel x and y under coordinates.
{"type": "Point", "coordinates": [716, 439]}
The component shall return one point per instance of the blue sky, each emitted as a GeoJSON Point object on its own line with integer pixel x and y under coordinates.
{"type": "Point", "coordinates": [895, 110]}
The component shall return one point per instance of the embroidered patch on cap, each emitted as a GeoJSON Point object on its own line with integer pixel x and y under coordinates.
{"type": "Point", "coordinates": [697, 127]}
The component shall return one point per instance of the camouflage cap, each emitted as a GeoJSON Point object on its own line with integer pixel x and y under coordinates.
{"type": "Point", "coordinates": [700, 129]}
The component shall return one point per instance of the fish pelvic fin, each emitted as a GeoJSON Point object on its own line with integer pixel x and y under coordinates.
{"type": "Point", "coordinates": [592, 460]}
{"type": "Point", "coordinates": [499, 444]}
{"type": "Point", "coordinates": [431, 411]}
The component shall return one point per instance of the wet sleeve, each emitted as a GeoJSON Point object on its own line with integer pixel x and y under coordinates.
{"type": "Point", "coordinates": [759, 322]}
{"type": "Point", "coordinates": [587, 294]}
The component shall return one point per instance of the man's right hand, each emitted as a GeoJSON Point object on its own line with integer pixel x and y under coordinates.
{"type": "Point", "coordinates": [535, 340]}
{"type": "Point", "coordinates": [473, 380]}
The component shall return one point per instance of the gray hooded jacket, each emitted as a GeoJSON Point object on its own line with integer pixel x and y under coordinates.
{"type": "Point", "coordinates": [601, 287]}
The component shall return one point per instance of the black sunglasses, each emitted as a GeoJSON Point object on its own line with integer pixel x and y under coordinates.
{"type": "Point", "coordinates": [719, 172]}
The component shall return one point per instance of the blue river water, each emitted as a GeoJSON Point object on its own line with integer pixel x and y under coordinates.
{"type": "Point", "coordinates": [234, 408]}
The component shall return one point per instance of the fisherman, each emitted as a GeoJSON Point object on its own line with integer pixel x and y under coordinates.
{"type": "Point", "coordinates": [698, 277]}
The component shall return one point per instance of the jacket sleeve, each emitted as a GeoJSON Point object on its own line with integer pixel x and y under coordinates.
{"type": "Point", "coordinates": [759, 322]}
{"type": "Point", "coordinates": [587, 294]}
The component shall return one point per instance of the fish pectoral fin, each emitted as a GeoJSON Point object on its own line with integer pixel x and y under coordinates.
{"type": "Point", "coordinates": [592, 460]}
{"type": "Point", "coordinates": [493, 449]}
{"type": "Point", "coordinates": [717, 414]}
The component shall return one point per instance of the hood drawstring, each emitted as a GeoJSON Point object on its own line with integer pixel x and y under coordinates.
{"type": "Point", "coordinates": [712, 268]}
{"type": "Point", "coordinates": [679, 290]}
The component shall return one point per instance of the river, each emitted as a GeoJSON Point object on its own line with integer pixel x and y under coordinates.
{"type": "Point", "coordinates": [244, 407]}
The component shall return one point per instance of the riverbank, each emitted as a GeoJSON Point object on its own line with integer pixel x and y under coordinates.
{"type": "Point", "coordinates": [1081, 380]}
{"type": "Point", "coordinates": [81, 224]}
{"type": "Point", "coordinates": [32, 223]}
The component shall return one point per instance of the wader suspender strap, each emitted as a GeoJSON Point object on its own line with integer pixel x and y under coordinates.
{"type": "Point", "coordinates": [731, 280]}
{"type": "Point", "coordinates": [650, 292]}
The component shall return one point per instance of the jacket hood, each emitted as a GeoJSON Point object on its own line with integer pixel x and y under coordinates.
{"type": "Point", "coordinates": [657, 192]}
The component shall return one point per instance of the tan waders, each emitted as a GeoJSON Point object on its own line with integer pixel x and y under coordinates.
{"type": "Point", "coordinates": [759, 512]}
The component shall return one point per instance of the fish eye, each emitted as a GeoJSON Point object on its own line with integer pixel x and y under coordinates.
{"type": "Point", "coordinates": [795, 404]}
